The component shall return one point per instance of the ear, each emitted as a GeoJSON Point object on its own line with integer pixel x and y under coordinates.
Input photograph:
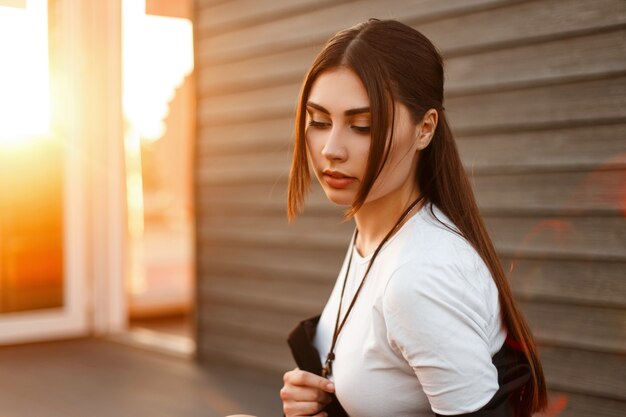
{"type": "Point", "coordinates": [425, 131]}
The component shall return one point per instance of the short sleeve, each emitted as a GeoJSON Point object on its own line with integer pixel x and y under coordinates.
{"type": "Point", "coordinates": [437, 318]}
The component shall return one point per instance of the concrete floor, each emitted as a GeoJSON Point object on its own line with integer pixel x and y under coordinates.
{"type": "Point", "coordinates": [98, 378]}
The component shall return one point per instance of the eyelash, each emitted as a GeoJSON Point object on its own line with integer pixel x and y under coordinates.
{"type": "Point", "coordinates": [320, 125]}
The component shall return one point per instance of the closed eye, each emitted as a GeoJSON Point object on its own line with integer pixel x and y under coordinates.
{"type": "Point", "coordinates": [361, 129]}
{"type": "Point", "coordinates": [320, 125]}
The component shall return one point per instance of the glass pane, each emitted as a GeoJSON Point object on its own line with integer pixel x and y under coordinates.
{"type": "Point", "coordinates": [31, 165]}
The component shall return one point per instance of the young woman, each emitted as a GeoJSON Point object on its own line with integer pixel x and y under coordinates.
{"type": "Point", "coordinates": [417, 322]}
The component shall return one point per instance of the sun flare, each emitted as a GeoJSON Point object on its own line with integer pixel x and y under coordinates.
{"type": "Point", "coordinates": [24, 74]}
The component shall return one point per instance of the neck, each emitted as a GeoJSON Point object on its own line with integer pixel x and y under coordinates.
{"type": "Point", "coordinates": [376, 218]}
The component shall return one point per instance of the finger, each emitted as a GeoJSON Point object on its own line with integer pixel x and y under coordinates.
{"type": "Point", "coordinates": [308, 379]}
{"type": "Point", "coordinates": [298, 393]}
{"type": "Point", "coordinates": [290, 374]}
{"type": "Point", "coordinates": [302, 408]}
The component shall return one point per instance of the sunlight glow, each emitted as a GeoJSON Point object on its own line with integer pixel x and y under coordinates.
{"type": "Point", "coordinates": [24, 75]}
{"type": "Point", "coordinates": [157, 56]}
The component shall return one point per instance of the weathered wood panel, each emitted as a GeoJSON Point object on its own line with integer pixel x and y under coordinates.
{"type": "Point", "coordinates": [569, 192]}
{"type": "Point", "coordinates": [543, 279]}
{"type": "Point", "coordinates": [268, 294]}
{"type": "Point", "coordinates": [245, 137]}
{"type": "Point", "coordinates": [566, 193]}
{"type": "Point", "coordinates": [288, 264]}
{"type": "Point", "coordinates": [249, 351]}
{"type": "Point", "coordinates": [596, 328]}
{"type": "Point", "coordinates": [556, 105]}
{"type": "Point", "coordinates": [568, 237]}
{"type": "Point", "coordinates": [277, 303]}
{"type": "Point", "coordinates": [590, 237]}
{"type": "Point", "coordinates": [571, 148]}
{"type": "Point", "coordinates": [304, 29]}
{"type": "Point", "coordinates": [550, 149]}
{"type": "Point", "coordinates": [567, 404]}
{"type": "Point", "coordinates": [574, 281]}
{"type": "Point", "coordinates": [539, 63]}
{"type": "Point", "coordinates": [269, 324]}
{"type": "Point", "coordinates": [234, 15]}
{"type": "Point", "coordinates": [521, 22]}
{"type": "Point", "coordinates": [524, 23]}
{"type": "Point", "coordinates": [584, 371]}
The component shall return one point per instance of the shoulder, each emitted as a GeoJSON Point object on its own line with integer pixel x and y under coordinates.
{"type": "Point", "coordinates": [438, 254]}
{"type": "Point", "coordinates": [440, 240]}
{"type": "Point", "coordinates": [443, 274]}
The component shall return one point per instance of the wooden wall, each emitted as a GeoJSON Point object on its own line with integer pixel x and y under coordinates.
{"type": "Point", "coordinates": [536, 95]}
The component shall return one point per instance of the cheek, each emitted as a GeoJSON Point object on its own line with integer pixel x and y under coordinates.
{"type": "Point", "coordinates": [311, 146]}
{"type": "Point", "coordinates": [400, 167]}
{"type": "Point", "coordinates": [401, 158]}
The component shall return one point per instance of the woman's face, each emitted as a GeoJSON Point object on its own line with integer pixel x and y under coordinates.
{"type": "Point", "coordinates": [338, 140]}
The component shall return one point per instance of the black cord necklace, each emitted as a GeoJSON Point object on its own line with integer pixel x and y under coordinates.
{"type": "Point", "coordinates": [327, 369]}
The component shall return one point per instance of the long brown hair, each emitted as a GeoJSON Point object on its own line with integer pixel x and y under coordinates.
{"type": "Point", "coordinates": [397, 63]}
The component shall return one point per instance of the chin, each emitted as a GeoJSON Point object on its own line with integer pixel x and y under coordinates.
{"type": "Point", "coordinates": [340, 198]}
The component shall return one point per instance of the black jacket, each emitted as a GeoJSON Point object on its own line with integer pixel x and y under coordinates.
{"type": "Point", "coordinates": [512, 366]}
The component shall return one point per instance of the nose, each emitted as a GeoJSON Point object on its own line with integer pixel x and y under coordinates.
{"type": "Point", "coordinates": [334, 148]}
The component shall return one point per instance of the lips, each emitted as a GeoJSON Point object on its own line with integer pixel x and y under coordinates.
{"type": "Point", "coordinates": [337, 179]}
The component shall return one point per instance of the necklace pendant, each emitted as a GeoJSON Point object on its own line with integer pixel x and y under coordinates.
{"type": "Point", "coordinates": [327, 369]}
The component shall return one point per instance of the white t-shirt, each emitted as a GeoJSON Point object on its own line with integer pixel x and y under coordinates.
{"type": "Point", "coordinates": [424, 328]}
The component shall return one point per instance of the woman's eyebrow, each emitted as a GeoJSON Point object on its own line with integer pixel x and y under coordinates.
{"type": "Point", "coordinates": [349, 112]}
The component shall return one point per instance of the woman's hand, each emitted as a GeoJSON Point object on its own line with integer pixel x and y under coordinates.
{"type": "Point", "coordinates": [305, 394]}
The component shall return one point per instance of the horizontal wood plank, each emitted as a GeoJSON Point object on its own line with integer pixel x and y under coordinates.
{"type": "Point", "coordinates": [235, 15]}
{"type": "Point", "coordinates": [241, 350]}
{"type": "Point", "coordinates": [585, 372]}
{"type": "Point", "coordinates": [462, 32]}
{"type": "Point", "coordinates": [554, 105]}
{"type": "Point", "coordinates": [298, 30]}
{"type": "Point", "coordinates": [552, 149]}
{"type": "Point", "coordinates": [271, 231]}
{"type": "Point", "coordinates": [538, 63]}
{"type": "Point", "coordinates": [519, 66]}
{"type": "Point", "coordinates": [568, 193]}
{"type": "Point", "coordinates": [261, 167]}
{"type": "Point", "coordinates": [569, 370]}
{"type": "Point", "coordinates": [573, 282]}
{"type": "Point", "coordinates": [256, 105]}
{"type": "Point", "coordinates": [295, 296]}
{"type": "Point", "coordinates": [279, 68]}
{"type": "Point", "coordinates": [595, 328]}
{"type": "Point", "coordinates": [285, 264]}
{"type": "Point", "coordinates": [272, 166]}
{"type": "Point", "coordinates": [567, 404]}
{"type": "Point", "coordinates": [271, 325]}
{"type": "Point", "coordinates": [246, 137]}
{"type": "Point", "coordinates": [522, 23]}
{"type": "Point", "coordinates": [568, 281]}
{"type": "Point", "coordinates": [558, 106]}
{"type": "Point", "coordinates": [576, 148]}
{"type": "Point", "coordinates": [586, 238]}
